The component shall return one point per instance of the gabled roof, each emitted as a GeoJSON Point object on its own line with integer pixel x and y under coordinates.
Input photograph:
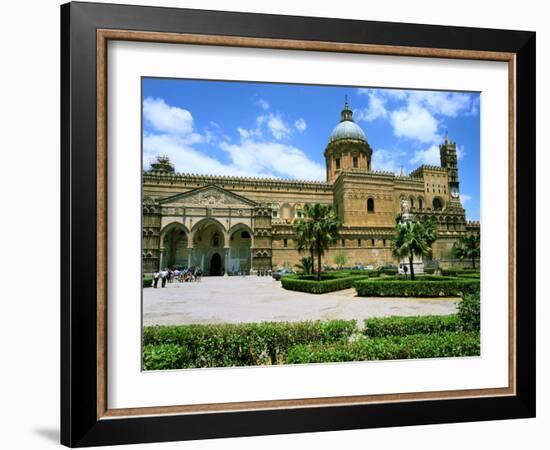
{"type": "Point", "coordinates": [209, 195]}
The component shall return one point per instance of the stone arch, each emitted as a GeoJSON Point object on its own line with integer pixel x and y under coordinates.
{"type": "Point", "coordinates": [206, 221]}
{"type": "Point", "coordinates": [438, 203]}
{"type": "Point", "coordinates": [174, 243]}
{"type": "Point", "coordinates": [209, 238]}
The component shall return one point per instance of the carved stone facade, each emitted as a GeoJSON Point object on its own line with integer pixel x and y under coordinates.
{"type": "Point", "coordinates": [241, 225]}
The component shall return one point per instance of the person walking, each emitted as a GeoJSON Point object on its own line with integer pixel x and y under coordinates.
{"type": "Point", "coordinates": [164, 277]}
{"type": "Point", "coordinates": [156, 276]}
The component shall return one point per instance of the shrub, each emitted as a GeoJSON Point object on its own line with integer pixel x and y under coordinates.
{"type": "Point", "coordinates": [439, 345]}
{"type": "Point", "coordinates": [458, 271]}
{"type": "Point", "coordinates": [402, 326]}
{"type": "Point", "coordinates": [469, 312]}
{"type": "Point", "coordinates": [165, 356]}
{"type": "Point", "coordinates": [147, 282]}
{"type": "Point", "coordinates": [419, 288]}
{"type": "Point", "coordinates": [329, 282]}
{"type": "Point", "coordinates": [224, 345]}
{"type": "Point", "coordinates": [429, 270]}
{"type": "Point", "coordinates": [388, 270]}
{"type": "Point", "coordinates": [469, 275]}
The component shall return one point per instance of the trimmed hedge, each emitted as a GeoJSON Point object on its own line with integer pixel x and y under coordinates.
{"type": "Point", "coordinates": [225, 345]}
{"type": "Point", "coordinates": [385, 270]}
{"type": "Point", "coordinates": [423, 287]}
{"type": "Point", "coordinates": [147, 282]}
{"type": "Point", "coordinates": [442, 345]}
{"type": "Point", "coordinates": [403, 326]}
{"type": "Point", "coordinates": [328, 283]}
{"type": "Point", "coordinates": [457, 271]}
{"type": "Point", "coordinates": [469, 312]}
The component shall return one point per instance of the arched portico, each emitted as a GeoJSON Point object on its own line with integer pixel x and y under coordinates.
{"type": "Point", "coordinates": [208, 247]}
{"type": "Point", "coordinates": [174, 239]}
{"type": "Point", "coordinates": [239, 256]}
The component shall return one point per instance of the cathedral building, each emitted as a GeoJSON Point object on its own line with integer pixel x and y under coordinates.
{"type": "Point", "coordinates": [232, 225]}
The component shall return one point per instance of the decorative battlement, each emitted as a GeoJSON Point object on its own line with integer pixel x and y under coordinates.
{"type": "Point", "coordinates": [217, 179]}
{"type": "Point", "coordinates": [417, 173]}
{"type": "Point", "coordinates": [372, 174]}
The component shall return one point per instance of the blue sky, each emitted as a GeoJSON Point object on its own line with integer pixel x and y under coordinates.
{"type": "Point", "coordinates": [281, 130]}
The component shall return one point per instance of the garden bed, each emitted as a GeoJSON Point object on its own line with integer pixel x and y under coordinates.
{"type": "Point", "coordinates": [440, 345]}
{"type": "Point", "coordinates": [428, 286]}
{"type": "Point", "coordinates": [225, 345]}
{"type": "Point", "coordinates": [269, 343]}
{"type": "Point", "coordinates": [330, 281]}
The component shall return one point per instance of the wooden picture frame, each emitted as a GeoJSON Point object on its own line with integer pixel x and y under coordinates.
{"type": "Point", "coordinates": [86, 419]}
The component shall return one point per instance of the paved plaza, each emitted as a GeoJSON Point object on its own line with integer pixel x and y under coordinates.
{"type": "Point", "coordinates": [259, 299]}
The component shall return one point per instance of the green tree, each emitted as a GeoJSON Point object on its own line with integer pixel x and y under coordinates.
{"type": "Point", "coordinates": [305, 265]}
{"type": "Point", "coordinates": [303, 235]}
{"type": "Point", "coordinates": [340, 259]}
{"type": "Point", "coordinates": [326, 225]}
{"type": "Point", "coordinates": [413, 239]}
{"type": "Point", "coordinates": [467, 247]}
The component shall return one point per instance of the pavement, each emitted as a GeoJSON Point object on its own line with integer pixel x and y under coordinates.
{"type": "Point", "coordinates": [258, 299]}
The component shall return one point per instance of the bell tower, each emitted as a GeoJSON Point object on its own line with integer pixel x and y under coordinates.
{"type": "Point", "coordinates": [449, 161]}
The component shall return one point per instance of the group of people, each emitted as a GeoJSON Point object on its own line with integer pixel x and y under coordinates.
{"type": "Point", "coordinates": [170, 276]}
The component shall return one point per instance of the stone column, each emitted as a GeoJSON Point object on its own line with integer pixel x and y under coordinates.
{"type": "Point", "coordinates": [226, 259]}
{"type": "Point", "coordinates": [189, 256]}
{"type": "Point", "coordinates": [161, 262]}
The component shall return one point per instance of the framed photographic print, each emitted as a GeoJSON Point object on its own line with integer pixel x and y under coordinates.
{"type": "Point", "coordinates": [277, 224]}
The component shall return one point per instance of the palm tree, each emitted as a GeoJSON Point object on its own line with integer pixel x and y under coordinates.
{"type": "Point", "coordinates": [413, 239]}
{"type": "Point", "coordinates": [326, 225]}
{"type": "Point", "coordinates": [467, 247]}
{"type": "Point", "coordinates": [305, 265]}
{"type": "Point", "coordinates": [303, 234]}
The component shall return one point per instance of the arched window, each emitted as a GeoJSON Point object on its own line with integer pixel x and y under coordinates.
{"type": "Point", "coordinates": [275, 211]}
{"type": "Point", "coordinates": [437, 203]}
{"type": "Point", "coordinates": [411, 201]}
{"type": "Point", "coordinates": [355, 162]}
{"type": "Point", "coordinates": [370, 205]}
{"type": "Point", "coordinates": [420, 204]}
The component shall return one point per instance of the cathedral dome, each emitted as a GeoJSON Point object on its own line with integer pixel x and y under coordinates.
{"type": "Point", "coordinates": [347, 128]}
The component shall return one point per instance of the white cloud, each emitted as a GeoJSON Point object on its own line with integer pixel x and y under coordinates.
{"type": "Point", "coordinates": [264, 104]}
{"type": "Point", "coordinates": [259, 158]}
{"type": "Point", "coordinates": [414, 122]}
{"type": "Point", "coordinates": [460, 152]}
{"type": "Point", "coordinates": [375, 110]}
{"type": "Point", "coordinates": [429, 156]}
{"type": "Point", "coordinates": [465, 198]}
{"type": "Point", "coordinates": [300, 124]}
{"type": "Point", "coordinates": [418, 114]}
{"type": "Point", "coordinates": [184, 157]}
{"type": "Point", "coordinates": [246, 134]}
{"type": "Point", "coordinates": [252, 156]}
{"type": "Point", "coordinates": [387, 160]}
{"type": "Point", "coordinates": [444, 103]}
{"type": "Point", "coordinates": [165, 118]}
{"type": "Point", "coordinates": [275, 124]}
